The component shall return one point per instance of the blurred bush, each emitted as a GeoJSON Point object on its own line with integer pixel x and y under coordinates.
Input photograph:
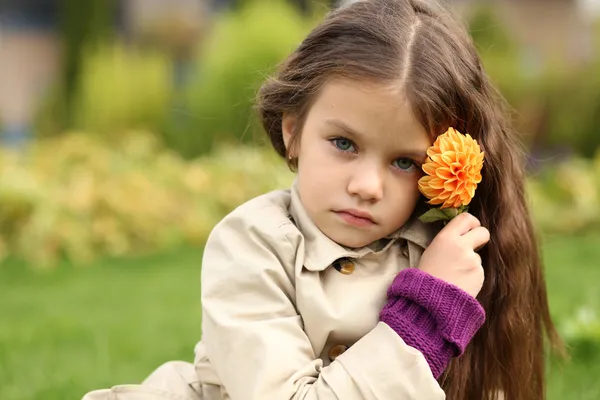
{"type": "Point", "coordinates": [556, 105]}
{"type": "Point", "coordinates": [242, 50]}
{"type": "Point", "coordinates": [499, 51]}
{"type": "Point", "coordinates": [123, 88]}
{"type": "Point", "coordinates": [573, 109]}
{"type": "Point", "coordinates": [119, 88]}
{"type": "Point", "coordinates": [77, 198]}
{"type": "Point", "coordinates": [582, 333]}
{"type": "Point", "coordinates": [503, 60]}
{"type": "Point", "coordinates": [566, 197]}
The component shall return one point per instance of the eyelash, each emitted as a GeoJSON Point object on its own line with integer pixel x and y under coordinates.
{"type": "Point", "coordinates": [413, 168]}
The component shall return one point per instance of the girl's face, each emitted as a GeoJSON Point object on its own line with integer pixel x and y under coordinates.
{"type": "Point", "coordinates": [359, 160]}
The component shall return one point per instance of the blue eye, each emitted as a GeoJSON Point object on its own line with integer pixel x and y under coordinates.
{"type": "Point", "coordinates": [343, 144]}
{"type": "Point", "coordinates": [404, 163]}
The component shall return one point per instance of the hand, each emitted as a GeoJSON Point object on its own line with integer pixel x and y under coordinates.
{"type": "Point", "coordinates": [452, 257]}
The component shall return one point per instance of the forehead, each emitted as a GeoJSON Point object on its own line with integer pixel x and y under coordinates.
{"type": "Point", "coordinates": [378, 112]}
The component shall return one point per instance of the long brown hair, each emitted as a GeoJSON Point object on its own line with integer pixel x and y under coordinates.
{"type": "Point", "coordinates": [423, 49]}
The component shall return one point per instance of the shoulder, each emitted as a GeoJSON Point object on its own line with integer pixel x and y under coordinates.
{"type": "Point", "coordinates": [261, 225]}
{"type": "Point", "coordinates": [252, 244]}
{"type": "Point", "coordinates": [266, 213]}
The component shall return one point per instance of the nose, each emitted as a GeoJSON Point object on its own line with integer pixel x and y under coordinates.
{"type": "Point", "coordinates": [366, 182]}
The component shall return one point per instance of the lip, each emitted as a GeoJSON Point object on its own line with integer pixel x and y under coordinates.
{"type": "Point", "coordinates": [356, 217]}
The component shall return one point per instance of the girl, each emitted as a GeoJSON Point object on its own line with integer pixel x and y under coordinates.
{"type": "Point", "coordinates": [334, 289]}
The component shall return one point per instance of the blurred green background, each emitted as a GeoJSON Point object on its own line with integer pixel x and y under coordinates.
{"type": "Point", "coordinates": [127, 132]}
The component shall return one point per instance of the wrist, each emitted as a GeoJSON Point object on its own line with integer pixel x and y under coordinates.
{"type": "Point", "coordinates": [433, 316]}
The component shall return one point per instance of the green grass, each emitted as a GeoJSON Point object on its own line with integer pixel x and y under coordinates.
{"type": "Point", "coordinates": [67, 331]}
{"type": "Point", "coordinates": [73, 330]}
{"type": "Point", "coordinates": [573, 277]}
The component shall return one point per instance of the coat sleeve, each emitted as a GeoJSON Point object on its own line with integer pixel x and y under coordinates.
{"type": "Point", "coordinates": [254, 336]}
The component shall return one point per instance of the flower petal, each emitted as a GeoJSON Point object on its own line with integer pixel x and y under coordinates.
{"type": "Point", "coordinates": [455, 168]}
{"type": "Point", "coordinates": [433, 151]}
{"type": "Point", "coordinates": [471, 190]}
{"type": "Point", "coordinates": [436, 183]}
{"type": "Point", "coordinates": [445, 195]}
{"type": "Point", "coordinates": [451, 185]}
{"type": "Point", "coordinates": [431, 168]}
{"type": "Point", "coordinates": [435, 201]}
{"type": "Point", "coordinates": [444, 173]}
{"type": "Point", "coordinates": [431, 193]}
{"type": "Point", "coordinates": [447, 159]}
{"type": "Point", "coordinates": [437, 158]}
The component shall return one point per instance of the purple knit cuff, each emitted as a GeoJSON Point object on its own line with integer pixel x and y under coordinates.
{"type": "Point", "coordinates": [433, 316]}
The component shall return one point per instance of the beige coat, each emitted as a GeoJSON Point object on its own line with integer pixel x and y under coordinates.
{"type": "Point", "coordinates": [289, 314]}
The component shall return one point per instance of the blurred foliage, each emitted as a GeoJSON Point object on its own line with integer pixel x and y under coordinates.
{"type": "Point", "coordinates": [119, 88]}
{"type": "Point", "coordinates": [566, 197]}
{"type": "Point", "coordinates": [515, 73]}
{"type": "Point", "coordinates": [575, 123]}
{"type": "Point", "coordinates": [499, 51]}
{"type": "Point", "coordinates": [556, 105]}
{"type": "Point", "coordinates": [243, 49]}
{"type": "Point", "coordinates": [582, 333]}
{"type": "Point", "coordinates": [82, 26]}
{"type": "Point", "coordinates": [488, 33]}
{"type": "Point", "coordinates": [75, 197]}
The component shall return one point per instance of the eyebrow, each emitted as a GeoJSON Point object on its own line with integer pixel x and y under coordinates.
{"type": "Point", "coordinates": [416, 154]}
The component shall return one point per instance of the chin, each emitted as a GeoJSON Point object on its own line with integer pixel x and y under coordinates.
{"type": "Point", "coordinates": [352, 242]}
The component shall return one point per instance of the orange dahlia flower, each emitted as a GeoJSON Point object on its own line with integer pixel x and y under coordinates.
{"type": "Point", "coordinates": [453, 170]}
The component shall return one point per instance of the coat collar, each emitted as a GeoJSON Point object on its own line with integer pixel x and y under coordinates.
{"type": "Point", "coordinates": [320, 251]}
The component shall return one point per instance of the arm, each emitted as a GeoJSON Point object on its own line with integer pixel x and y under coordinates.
{"type": "Point", "coordinates": [434, 307]}
{"type": "Point", "coordinates": [255, 339]}
{"type": "Point", "coordinates": [433, 316]}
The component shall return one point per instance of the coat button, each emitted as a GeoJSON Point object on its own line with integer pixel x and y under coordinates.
{"type": "Point", "coordinates": [344, 266]}
{"type": "Point", "coordinates": [336, 351]}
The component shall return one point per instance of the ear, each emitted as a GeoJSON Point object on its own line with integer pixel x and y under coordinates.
{"type": "Point", "coordinates": [288, 128]}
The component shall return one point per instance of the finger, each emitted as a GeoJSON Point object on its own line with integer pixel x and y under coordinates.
{"type": "Point", "coordinates": [462, 224]}
{"type": "Point", "coordinates": [477, 237]}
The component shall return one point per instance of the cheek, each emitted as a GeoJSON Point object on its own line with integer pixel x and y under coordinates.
{"type": "Point", "coordinates": [413, 191]}
{"type": "Point", "coordinates": [320, 176]}
{"type": "Point", "coordinates": [318, 158]}
{"type": "Point", "coordinates": [407, 196]}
